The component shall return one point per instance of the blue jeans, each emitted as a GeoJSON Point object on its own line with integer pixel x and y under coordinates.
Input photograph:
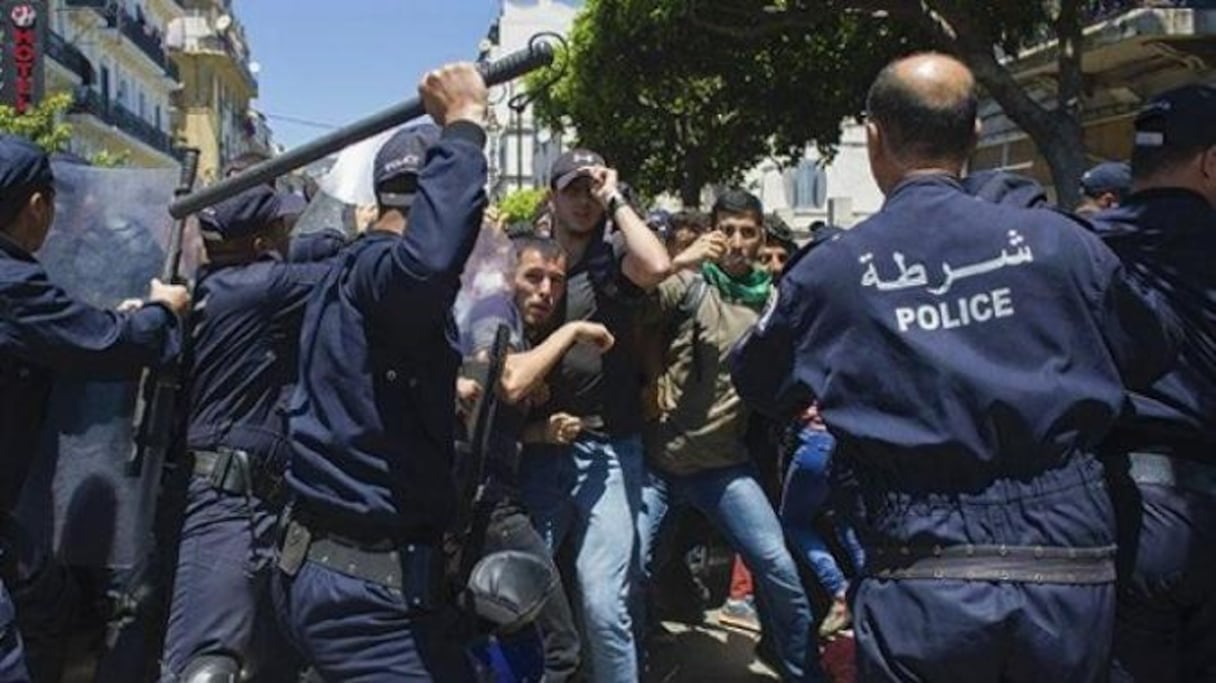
{"type": "Point", "coordinates": [221, 601]}
{"type": "Point", "coordinates": [805, 492]}
{"type": "Point", "coordinates": [732, 499]}
{"type": "Point", "coordinates": [591, 491]}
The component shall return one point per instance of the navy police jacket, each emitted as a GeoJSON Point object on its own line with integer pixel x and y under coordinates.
{"type": "Point", "coordinates": [371, 422]}
{"type": "Point", "coordinates": [1166, 239]}
{"type": "Point", "coordinates": [954, 344]}
{"type": "Point", "coordinates": [44, 332]}
{"type": "Point", "coordinates": [245, 333]}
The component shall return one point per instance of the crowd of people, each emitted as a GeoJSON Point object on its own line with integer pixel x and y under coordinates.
{"type": "Point", "coordinates": [974, 432]}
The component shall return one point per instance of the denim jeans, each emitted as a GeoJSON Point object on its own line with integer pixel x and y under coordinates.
{"type": "Point", "coordinates": [805, 492]}
{"type": "Point", "coordinates": [732, 499]}
{"type": "Point", "coordinates": [591, 493]}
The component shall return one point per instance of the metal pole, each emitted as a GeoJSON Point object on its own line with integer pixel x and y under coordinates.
{"type": "Point", "coordinates": [538, 54]}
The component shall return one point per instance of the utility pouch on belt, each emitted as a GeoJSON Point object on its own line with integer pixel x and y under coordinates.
{"type": "Point", "coordinates": [295, 548]}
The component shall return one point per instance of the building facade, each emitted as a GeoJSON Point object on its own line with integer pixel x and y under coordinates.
{"type": "Point", "coordinates": [1133, 50]}
{"type": "Point", "coordinates": [110, 56]}
{"type": "Point", "coordinates": [519, 152]}
{"type": "Point", "coordinates": [218, 83]}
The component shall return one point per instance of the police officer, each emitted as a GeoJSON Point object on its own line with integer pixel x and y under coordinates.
{"type": "Point", "coordinates": [1165, 467]}
{"type": "Point", "coordinates": [967, 356]}
{"type": "Point", "coordinates": [371, 423]}
{"type": "Point", "coordinates": [245, 330]}
{"type": "Point", "coordinates": [44, 333]}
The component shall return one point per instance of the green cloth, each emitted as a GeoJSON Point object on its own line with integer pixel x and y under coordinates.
{"type": "Point", "coordinates": [750, 290]}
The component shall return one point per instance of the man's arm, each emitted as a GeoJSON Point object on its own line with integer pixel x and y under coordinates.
{"type": "Point", "coordinates": [1141, 329]}
{"type": "Point", "coordinates": [41, 323]}
{"type": "Point", "coordinates": [646, 262]}
{"type": "Point", "coordinates": [525, 370]}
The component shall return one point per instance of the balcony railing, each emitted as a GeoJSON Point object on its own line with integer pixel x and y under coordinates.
{"type": "Point", "coordinates": [89, 101]}
{"type": "Point", "coordinates": [1107, 9]}
{"type": "Point", "coordinates": [69, 56]}
{"type": "Point", "coordinates": [148, 40]}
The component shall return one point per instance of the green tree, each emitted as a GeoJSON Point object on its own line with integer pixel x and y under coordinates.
{"type": "Point", "coordinates": [794, 69]}
{"type": "Point", "coordinates": [107, 159]}
{"type": "Point", "coordinates": [522, 204]}
{"type": "Point", "coordinates": [42, 123]}
{"type": "Point", "coordinates": [674, 107]}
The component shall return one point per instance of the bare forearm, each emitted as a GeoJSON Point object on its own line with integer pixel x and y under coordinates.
{"type": "Point", "coordinates": [525, 370]}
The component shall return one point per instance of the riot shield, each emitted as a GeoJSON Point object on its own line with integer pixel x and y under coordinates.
{"type": "Point", "coordinates": [109, 238]}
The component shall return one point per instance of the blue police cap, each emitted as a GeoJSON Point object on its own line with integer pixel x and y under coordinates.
{"type": "Point", "coordinates": [1111, 176]}
{"type": "Point", "coordinates": [24, 168]}
{"type": "Point", "coordinates": [1179, 118]}
{"type": "Point", "coordinates": [403, 155]}
{"type": "Point", "coordinates": [240, 216]}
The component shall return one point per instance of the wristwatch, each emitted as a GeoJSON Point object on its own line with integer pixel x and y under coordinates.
{"type": "Point", "coordinates": [615, 202]}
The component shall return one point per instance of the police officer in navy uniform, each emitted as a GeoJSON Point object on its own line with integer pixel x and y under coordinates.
{"type": "Point", "coordinates": [360, 586]}
{"type": "Point", "coordinates": [44, 333]}
{"type": "Point", "coordinates": [244, 355]}
{"type": "Point", "coordinates": [968, 357]}
{"type": "Point", "coordinates": [1164, 470]}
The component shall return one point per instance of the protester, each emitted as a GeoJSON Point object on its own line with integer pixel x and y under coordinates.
{"type": "Point", "coordinates": [590, 489]}
{"type": "Point", "coordinates": [698, 455]}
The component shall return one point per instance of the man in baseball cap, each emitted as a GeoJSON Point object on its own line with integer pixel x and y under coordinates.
{"type": "Point", "coordinates": [607, 276]}
{"type": "Point", "coordinates": [1104, 186]}
{"type": "Point", "coordinates": [1164, 468]}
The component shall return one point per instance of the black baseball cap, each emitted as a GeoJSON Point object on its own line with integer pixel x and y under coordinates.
{"type": "Point", "coordinates": [402, 156]}
{"type": "Point", "coordinates": [571, 165]}
{"type": "Point", "coordinates": [1180, 118]}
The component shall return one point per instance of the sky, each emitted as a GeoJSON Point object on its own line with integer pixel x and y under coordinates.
{"type": "Point", "coordinates": [333, 62]}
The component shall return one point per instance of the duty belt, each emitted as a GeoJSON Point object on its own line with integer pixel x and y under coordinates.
{"type": "Point", "coordinates": [1179, 473]}
{"type": "Point", "coordinates": [234, 471]}
{"type": "Point", "coordinates": [414, 571]}
{"type": "Point", "coordinates": [1019, 564]}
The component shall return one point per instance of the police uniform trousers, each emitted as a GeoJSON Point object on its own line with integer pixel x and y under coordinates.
{"type": "Point", "coordinates": [221, 602]}
{"type": "Point", "coordinates": [988, 629]}
{"type": "Point", "coordinates": [1165, 628]}
{"type": "Point", "coordinates": [354, 629]}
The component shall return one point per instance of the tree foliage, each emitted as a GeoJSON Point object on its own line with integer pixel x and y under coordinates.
{"type": "Point", "coordinates": [522, 204]}
{"type": "Point", "coordinates": [678, 93]}
{"type": "Point", "coordinates": [42, 123]}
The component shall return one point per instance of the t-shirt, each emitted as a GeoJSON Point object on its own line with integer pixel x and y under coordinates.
{"type": "Point", "coordinates": [604, 390]}
{"type": "Point", "coordinates": [702, 422]}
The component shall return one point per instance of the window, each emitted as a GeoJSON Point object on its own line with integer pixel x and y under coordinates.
{"type": "Point", "coordinates": [143, 106]}
{"type": "Point", "coordinates": [810, 185]}
{"type": "Point", "coordinates": [122, 91]}
{"type": "Point", "coordinates": [157, 121]}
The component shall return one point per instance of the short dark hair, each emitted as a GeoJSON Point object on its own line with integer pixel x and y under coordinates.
{"type": "Point", "coordinates": [918, 128]}
{"type": "Point", "coordinates": [1149, 161]}
{"type": "Point", "coordinates": [737, 202]}
{"type": "Point", "coordinates": [548, 248]}
{"type": "Point", "coordinates": [694, 221]}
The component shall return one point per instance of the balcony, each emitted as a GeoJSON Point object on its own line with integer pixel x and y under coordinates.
{"type": "Point", "coordinates": [148, 40]}
{"type": "Point", "coordinates": [69, 56]}
{"type": "Point", "coordinates": [198, 33]}
{"type": "Point", "coordinates": [88, 101]}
